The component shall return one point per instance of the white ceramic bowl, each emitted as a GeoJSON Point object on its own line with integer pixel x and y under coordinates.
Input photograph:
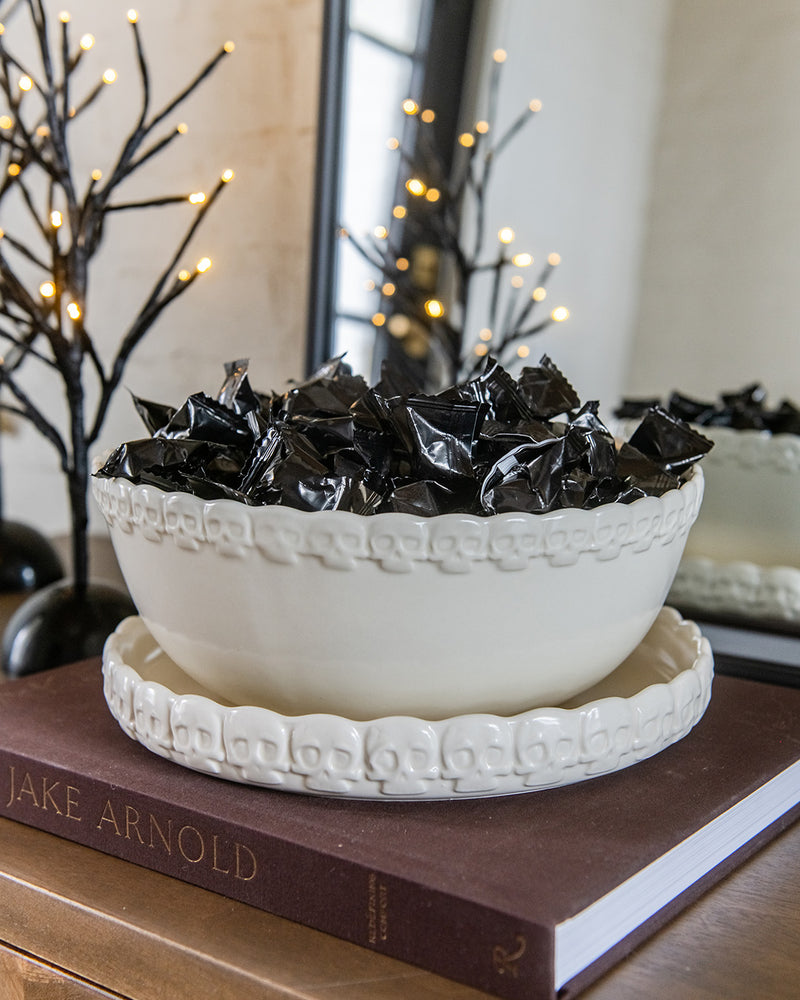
{"type": "Point", "coordinates": [369, 617]}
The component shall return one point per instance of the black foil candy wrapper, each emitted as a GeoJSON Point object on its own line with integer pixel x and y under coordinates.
{"type": "Point", "coordinates": [745, 409]}
{"type": "Point", "coordinates": [489, 445]}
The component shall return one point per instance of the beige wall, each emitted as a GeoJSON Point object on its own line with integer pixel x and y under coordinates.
{"type": "Point", "coordinates": [577, 179]}
{"type": "Point", "coordinates": [719, 302]}
{"type": "Point", "coordinates": [257, 115]}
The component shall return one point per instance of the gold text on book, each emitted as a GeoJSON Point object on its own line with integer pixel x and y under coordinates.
{"type": "Point", "coordinates": [42, 793]}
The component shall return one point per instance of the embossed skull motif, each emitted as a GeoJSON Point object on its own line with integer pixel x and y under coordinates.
{"type": "Point", "coordinates": [547, 747]}
{"type": "Point", "coordinates": [183, 522]}
{"type": "Point", "coordinates": [399, 547]}
{"type": "Point", "coordinates": [148, 512]}
{"type": "Point", "coordinates": [278, 535]}
{"type": "Point", "coordinates": [119, 683]}
{"type": "Point", "coordinates": [455, 545]}
{"type": "Point", "coordinates": [476, 752]}
{"type": "Point", "coordinates": [402, 755]}
{"type": "Point", "coordinates": [257, 745]}
{"type": "Point", "coordinates": [339, 549]}
{"type": "Point", "coordinates": [197, 733]}
{"type": "Point", "coordinates": [513, 542]}
{"type": "Point", "coordinates": [327, 750]}
{"type": "Point", "coordinates": [151, 706]}
{"type": "Point", "coordinates": [229, 529]}
{"type": "Point", "coordinates": [606, 736]}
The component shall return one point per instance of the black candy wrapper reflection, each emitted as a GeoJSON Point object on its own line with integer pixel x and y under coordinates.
{"type": "Point", "coordinates": [489, 445]}
{"type": "Point", "coordinates": [745, 409]}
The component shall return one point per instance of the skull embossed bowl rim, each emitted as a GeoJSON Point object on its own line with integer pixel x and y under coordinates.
{"type": "Point", "coordinates": [392, 614]}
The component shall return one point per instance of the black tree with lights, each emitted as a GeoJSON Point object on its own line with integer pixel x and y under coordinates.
{"type": "Point", "coordinates": [440, 223]}
{"type": "Point", "coordinates": [44, 291]}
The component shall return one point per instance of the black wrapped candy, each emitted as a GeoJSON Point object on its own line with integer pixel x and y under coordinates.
{"type": "Point", "coordinates": [489, 445]}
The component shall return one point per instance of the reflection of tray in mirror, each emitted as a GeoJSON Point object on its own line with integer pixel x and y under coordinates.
{"type": "Point", "coordinates": [650, 701]}
{"type": "Point", "coordinates": [767, 594]}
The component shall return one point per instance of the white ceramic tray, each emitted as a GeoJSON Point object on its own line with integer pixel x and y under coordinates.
{"type": "Point", "coordinates": [652, 700]}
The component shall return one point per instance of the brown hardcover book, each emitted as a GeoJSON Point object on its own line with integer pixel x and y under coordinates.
{"type": "Point", "coordinates": [531, 895]}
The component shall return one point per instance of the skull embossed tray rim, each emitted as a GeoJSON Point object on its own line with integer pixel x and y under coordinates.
{"type": "Point", "coordinates": [649, 702]}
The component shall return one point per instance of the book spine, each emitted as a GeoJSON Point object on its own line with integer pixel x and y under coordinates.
{"type": "Point", "coordinates": [453, 937]}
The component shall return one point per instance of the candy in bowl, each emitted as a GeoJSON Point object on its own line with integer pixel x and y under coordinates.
{"type": "Point", "coordinates": [414, 608]}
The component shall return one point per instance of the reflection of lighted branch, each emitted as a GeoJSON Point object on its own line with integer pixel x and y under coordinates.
{"type": "Point", "coordinates": [510, 314]}
{"type": "Point", "coordinates": [50, 325]}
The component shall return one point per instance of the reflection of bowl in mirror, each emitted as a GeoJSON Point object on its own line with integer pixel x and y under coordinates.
{"type": "Point", "coordinates": [329, 611]}
{"type": "Point", "coordinates": [751, 510]}
{"type": "Point", "coordinates": [743, 555]}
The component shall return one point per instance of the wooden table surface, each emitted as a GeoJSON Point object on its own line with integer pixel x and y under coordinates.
{"type": "Point", "coordinates": [76, 925]}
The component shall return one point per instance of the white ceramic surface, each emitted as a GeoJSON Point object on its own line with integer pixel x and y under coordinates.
{"type": "Point", "coordinates": [751, 509]}
{"type": "Point", "coordinates": [395, 614]}
{"type": "Point", "coordinates": [650, 701]}
{"type": "Point", "coordinates": [738, 588]}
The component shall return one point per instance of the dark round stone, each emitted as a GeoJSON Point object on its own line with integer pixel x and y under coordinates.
{"type": "Point", "coordinates": [61, 624]}
{"type": "Point", "coordinates": [27, 560]}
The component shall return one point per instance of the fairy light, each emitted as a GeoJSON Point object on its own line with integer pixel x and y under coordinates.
{"type": "Point", "coordinates": [370, 285]}
{"type": "Point", "coordinates": [399, 212]}
{"type": "Point", "coordinates": [182, 127]}
{"type": "Point", "coordinates": [481, 350]}
{"type": "Point", "coordinates": [410, 106]}
{"type": "Point", "coordinates": [197, 197]}
{"type": "Point", "coordinates": [378, 319]}
{"type": "Point", "coordinates": [481, 127]}
{"type": "Point", "coordinates": [2, 28]}
{"type": "Point", "coordinates": [64, 17]}
{"type": "Point", "coordinates": [517, 281]}
{"type": "Point", "coordinates": [416, 187]}
{"type": "Point", "coordinates": [523, 351]}
{"type": "Point", "coordinates": [184, 275]}
{"type": "Point", "coordinates": [203, 265]}
{"type": "Point", "coordinates": [535, 105]}
{"type": "Point", "coordinates": [47, 290]}
{"type": "Point", "coordinates": [14, 170]}
{"type": "Point", "coordinates": [228, 47]}
{"type": "Point", "coordinates": [74, 311]}
{"type": "Point", "coordinates": [539, 294]}
{"type": "Point", "coordinates": [133, 16]}
{"type": "Point", "coordinates": [433, 194]}
{"type": "Point", "coordinates": [6, 122]}
{"type": "Point", "coordinates": [553, 259]}
{"type": "Point", "coordinates": [380, 232]}
{"type": "Point", "coordinates": [434, 308]}
{"type": "Point", "coordinates": [86, 42]}
{"type": "Point", "coordinates": [522, 260]}
{"type": "Point", "coordinates": [110, 76]}
{"type": "Point", "coordinates": [392, 143]}
{"type": "Point", "coordinates": [467, 140]}
{"type": "Point", "coordinates": [485, 334]}
{"type": "Point", "coordinates": [499, 55]}
{"type": "Point", "coordinates": [388, 289]}
{"type": "Point", "coordinates": [559, 314]}
{"type": "Point", "coordinates": [227, 176]}
{"type": "Point", "coordinates": [56, 219]}
{"type": "Point", "coordinates": [428, 116]}
{"type": "Point", "coordinates": [402, 264]}
{"type": "Point", "coordinates": [25, 83]}
{"type": "Point", "coordinates": [97, 175]}
{"type": "Point", "coordinates": [506, 235]}
{"type": "Point", "coordinates": [43, 131]}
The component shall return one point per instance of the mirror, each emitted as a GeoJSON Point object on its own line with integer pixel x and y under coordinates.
{"type": "Point", "coordinates": [661, 168]}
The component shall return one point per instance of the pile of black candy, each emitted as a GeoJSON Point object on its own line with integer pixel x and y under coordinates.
{"type": "Point", "coordinates": [492, 444]}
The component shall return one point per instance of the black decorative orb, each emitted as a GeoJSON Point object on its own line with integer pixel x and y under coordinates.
{"type": "Point", "coordinates": [27, 560]}
{"type": "Point", "coordinates": [61, 624]}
